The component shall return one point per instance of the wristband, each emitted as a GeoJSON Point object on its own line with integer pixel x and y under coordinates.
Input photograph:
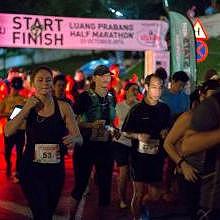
{"type": "Point", "coordinates": [182, 159]}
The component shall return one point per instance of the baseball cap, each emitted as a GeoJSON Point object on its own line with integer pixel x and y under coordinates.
{"type": "Point", "coordinates": [17, 83]}
{"type": "Point", "coordinates": [101, 70]}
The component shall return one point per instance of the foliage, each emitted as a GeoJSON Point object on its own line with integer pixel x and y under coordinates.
{"type": "Point", "coordinates": [71, 8]}
{"type": "Point", "coordinates": [138, 9]}
{"type": "Point", "coordinates": [212, 61]}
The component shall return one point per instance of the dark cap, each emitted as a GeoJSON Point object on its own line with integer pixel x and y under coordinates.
{"type": "Point", "coordinates": [17, 83]}
{"type": "Point", "coordinates": [129, 85]}
{"type": "Point", "coordinates": [101, 70]}
{"type": "Point", "coordinates": [210, 84]}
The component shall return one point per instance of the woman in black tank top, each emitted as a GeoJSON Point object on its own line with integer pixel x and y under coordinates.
{"type": "Point", "coordinates": [41, 129]}
{"type": "Point", "coordinates": [50, 127]}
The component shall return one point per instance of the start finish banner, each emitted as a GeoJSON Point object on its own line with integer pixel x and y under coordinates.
{"type": "Point", "coordinates": [33, 31]}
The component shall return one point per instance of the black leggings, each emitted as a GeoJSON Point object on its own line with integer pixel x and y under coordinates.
{"type": "Point", "coordinates": [99, 154]}
{"type": "Point", "coordinates": [17, 140]}
{"type": "Point", "coordinates": [190, 195]}
{"type": "Point", "coordinates": [42, 187]}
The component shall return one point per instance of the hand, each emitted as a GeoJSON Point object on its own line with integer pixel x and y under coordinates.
{"type": "Point", "coordinates": [189, 172]}
{"type": "Point", "coordinates": [98, 124]}
{"type": "Point", "coordinates": [164, 133]}
{"type": "Point", "coordinates": [31, 103]}
{"type": "Point", "coordinates": [143, 137]}
{"type": "Point", "coordinates": [116, 134]}
{"type": "Point", "coordinates": [69, 141]}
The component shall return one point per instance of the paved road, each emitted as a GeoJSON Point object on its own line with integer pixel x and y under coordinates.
{"type": "Point", "coordinates": [13, 205]}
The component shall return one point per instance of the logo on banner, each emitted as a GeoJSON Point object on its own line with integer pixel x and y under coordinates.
{"type": "Point", "coordinates": [201, 51]}
{"type": "Point", "coordinates": [36, 30]}
{"type": "Point", "coordinates": [147, 37]}
{"type": "Point", "coordinates": [200, 31]}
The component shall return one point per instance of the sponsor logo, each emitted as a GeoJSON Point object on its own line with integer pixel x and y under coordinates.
{"type": "Point", "coordinates": [148, 37]}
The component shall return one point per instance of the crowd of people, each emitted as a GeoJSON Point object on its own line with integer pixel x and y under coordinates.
{"type": "Point", "coordinates": [163, 140]}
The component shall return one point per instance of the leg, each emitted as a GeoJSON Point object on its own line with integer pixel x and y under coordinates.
{"type": "Point", "coordinates": [20, 141]}
{"type": "Point", "coordinates": [190, 195]}
{"type": "Point", "coordinates": [155, 191]}
{"type": "Point", "coordinates": [168, 180]}
{"type": "Point", "coordinates": [140, 177]}
{"type": "Point", "coordinates": [122, 157]}
{"type": "Point", "coordinates": [36, 193]}
{"type": "Point", "coordinates": [83, 161]}
{"type": "Point", "coordinates": [136, 203]}
{"type": "Point", "coordinates": [104, 168]}
{"type": "Point", "coordinates": [8, 149]}
{"type": "Point", "coordinates": [122, 184]}
{"type": "Point", "coordinates": [54, 188]}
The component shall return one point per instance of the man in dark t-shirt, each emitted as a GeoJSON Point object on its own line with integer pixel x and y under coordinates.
{"type": "Point", "coordinates": [202, 141]}
{"type": "Point", "coordinates": [145, 125]}
{"type": "Point", "coordinates": [96, 111]}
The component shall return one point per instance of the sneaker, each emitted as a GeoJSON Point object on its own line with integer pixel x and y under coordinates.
{"type": "Point", "coordinates": [15, 179]}
{"type": "Point", "coordinates": [145, 215]}
{"type": "Point", "coordinates": [123, 205]}
{"type": "Point", "coordinates": [169, 197]}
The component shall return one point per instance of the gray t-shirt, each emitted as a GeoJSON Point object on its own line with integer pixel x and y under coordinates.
{"type": "Point", "coordinates": [122, 110]}
{"type": "Point", "coordinates": [205, 118]}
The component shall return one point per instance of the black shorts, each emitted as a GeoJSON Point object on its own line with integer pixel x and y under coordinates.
{"type": "Point", "coordinates": [146, 168]}
{"type": "Point", "coordinates": [122, 154]}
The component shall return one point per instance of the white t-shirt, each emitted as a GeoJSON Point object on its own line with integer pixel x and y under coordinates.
{"type": "Point", "coordinates": [122, 110]}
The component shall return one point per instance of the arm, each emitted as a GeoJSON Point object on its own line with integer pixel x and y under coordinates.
{"type": "Point", "coordinates": [81, 107]}
{"type": "Point", "coordinates": [130, 128]}
{"type": "Point", "coordinates": [127, 128]}
{"type": "Point", "coordinates": [2, 109]}
{"type": "Point", "coordinates": [74, 136]}
{"type": "Point", "coordinates": [200, 141]}
{"type": "Point", "coordinates": [83, 124]}
{"type": "Point", "coordinates": [130, 135]}
{"type": "Point", "coordinates": [138, 136]}
{"type": "Point", "coordinates": [87, 124]}
{"type": "Point", "coordinates": [174, 138]}
{"type": "Point", "coordinates": [175, 135]}
{"type": "Point", "coordinates": [204, 130]}
{"type": "Point", "coordinates": [13, 125]}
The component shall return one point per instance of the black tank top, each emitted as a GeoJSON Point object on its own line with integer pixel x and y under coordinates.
{"type": "Point", "coordinates": [44, 130]}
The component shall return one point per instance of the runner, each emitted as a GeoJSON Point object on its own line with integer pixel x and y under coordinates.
{"type": "Point", "coordinates": [50, 124]}
{"type": "Point", "coordinates": [121, 143]}
{"type": "Point", "coordinates": [145, 124]}
{"type": "Point", "coordinates": [96, 111]}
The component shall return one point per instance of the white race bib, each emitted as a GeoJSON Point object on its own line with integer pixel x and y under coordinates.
{"type": "Point", "coordinates": [151, 147]}
{"type": "Point", "coordinates": [99, 135]}
{"type": "Point", "coordinates": [47, 153]}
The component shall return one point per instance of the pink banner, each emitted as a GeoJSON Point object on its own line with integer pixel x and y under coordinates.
{"type": "Point", "coordinates": [156, 59]}
{"type": "Point", "coordinates": [33, 31]}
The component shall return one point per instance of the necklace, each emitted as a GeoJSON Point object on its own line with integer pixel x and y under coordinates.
{"type": "Point", "coordinates": [40, 119]}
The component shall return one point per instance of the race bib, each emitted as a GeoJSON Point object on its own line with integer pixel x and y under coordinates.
{"type": "Point", "coordinates": [47, 153]}
{"type": "Point", "coordinates": [151, 147]}
{"type": "Point", "coordinates": [99, 135]}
